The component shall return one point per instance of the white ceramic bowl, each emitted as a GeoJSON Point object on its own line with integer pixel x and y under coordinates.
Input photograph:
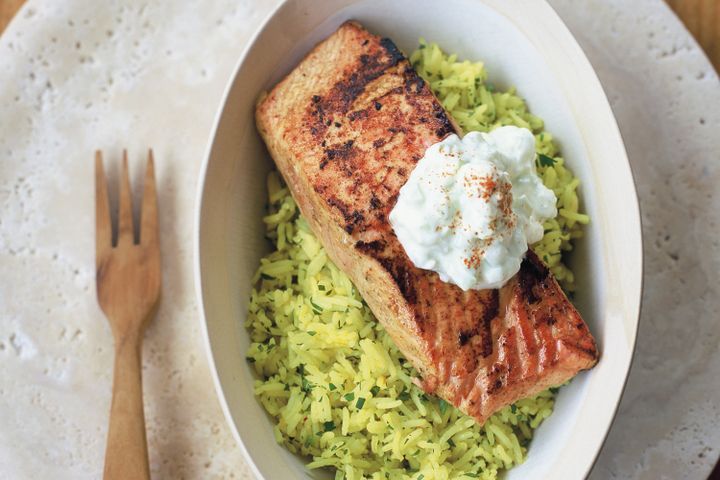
{"type": "Point", "coordinates": [522, 43]}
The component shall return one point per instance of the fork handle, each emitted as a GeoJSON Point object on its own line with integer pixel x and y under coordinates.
{"type": "Point", "coordinates": [126, 455]}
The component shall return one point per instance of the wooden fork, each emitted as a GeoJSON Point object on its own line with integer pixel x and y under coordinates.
{"type": "Point", "coordinates": [128, 290]}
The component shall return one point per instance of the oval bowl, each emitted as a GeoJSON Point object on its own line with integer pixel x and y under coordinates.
{"type": "Point", "coordinates": [523, 44]}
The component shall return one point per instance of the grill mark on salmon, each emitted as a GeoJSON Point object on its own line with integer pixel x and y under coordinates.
{"type": "Point", "coordinates": [346, 128]}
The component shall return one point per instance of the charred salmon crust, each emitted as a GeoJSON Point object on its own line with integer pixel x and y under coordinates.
{"type": "Point", "coordinates": [346, 128]}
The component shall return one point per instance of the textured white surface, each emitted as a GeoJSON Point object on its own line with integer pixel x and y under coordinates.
{"type": "Point", "coordinates": [78, 75]}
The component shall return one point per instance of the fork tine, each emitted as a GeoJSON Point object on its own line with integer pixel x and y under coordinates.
{"type": "Point", "coordinates": [125, 216]}
{"type": "Point", "coordinates": [103, 224]}
{"type": "Point", "coordinates": [149, 213]}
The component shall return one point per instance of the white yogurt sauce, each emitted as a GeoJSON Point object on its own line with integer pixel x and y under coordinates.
{"type": "Point", "coordinates": [471, 207]}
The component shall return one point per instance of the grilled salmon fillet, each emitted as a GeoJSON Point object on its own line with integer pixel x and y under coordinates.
{"type": "Point", "coordinates": [346, 128]}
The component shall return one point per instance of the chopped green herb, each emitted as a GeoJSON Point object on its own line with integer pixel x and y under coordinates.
{"type": "Point", "coordinates": [554, 390]}
{"type": "Point", "coordinates": [311, 333]}
{"type": "Point", "coordinates": [306, 385]}
{"type": "Point", "coordinates": [424, 398]}
{"type": "Point", "coordinates": [404, 396]}
{"type": "Point", "coordinates": [450, 442]}
{"type": "Point", "coordinates": [316, 307]}
{"type": "Point", "coordinates": [545, 161]}
{"type": "Point", "coordinates": [331, 387]}
{"type": "Point", "coordinates": [420, 477]}
{"type": "Point", "coordinates": [329, 426]}
{"type": "Point", "coordinates": [321, 287]}
{"type": "Point", "coordinates": [374, 390]}
{"type": "Point", "coordinates": [250, 359]}
{"type": "Point", "coordinates": [443, 406]}
{"type": "Point", "coordinates": [360, 402]}
{"type": "Point", "coordinates": [349, 396]}
{"type": "Point", "coordinates": [490, 87]}
{"type": "Point", "coordinates": [513, 408]}
{"type": "Point", "coordinates": [472, 475]}
{"type": "Point", "coordinates": [265, 276]}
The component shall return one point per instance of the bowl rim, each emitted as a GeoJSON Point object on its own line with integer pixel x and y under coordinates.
{"type": "Point", "coordinates": [587, 65]}
{"type": "Point", "coordinates": [197, 223]}
{"type": "Point", "coordinates": [588, 71]}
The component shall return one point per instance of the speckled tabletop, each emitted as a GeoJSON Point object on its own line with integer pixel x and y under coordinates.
{"type": "Point", "coordinates": [76, 75]}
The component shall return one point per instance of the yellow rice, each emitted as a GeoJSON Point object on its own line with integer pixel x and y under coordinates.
{"type": "Point", "coordinates": [337, 386]}
{"type": "Point", "coordinates": [477, 105]}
